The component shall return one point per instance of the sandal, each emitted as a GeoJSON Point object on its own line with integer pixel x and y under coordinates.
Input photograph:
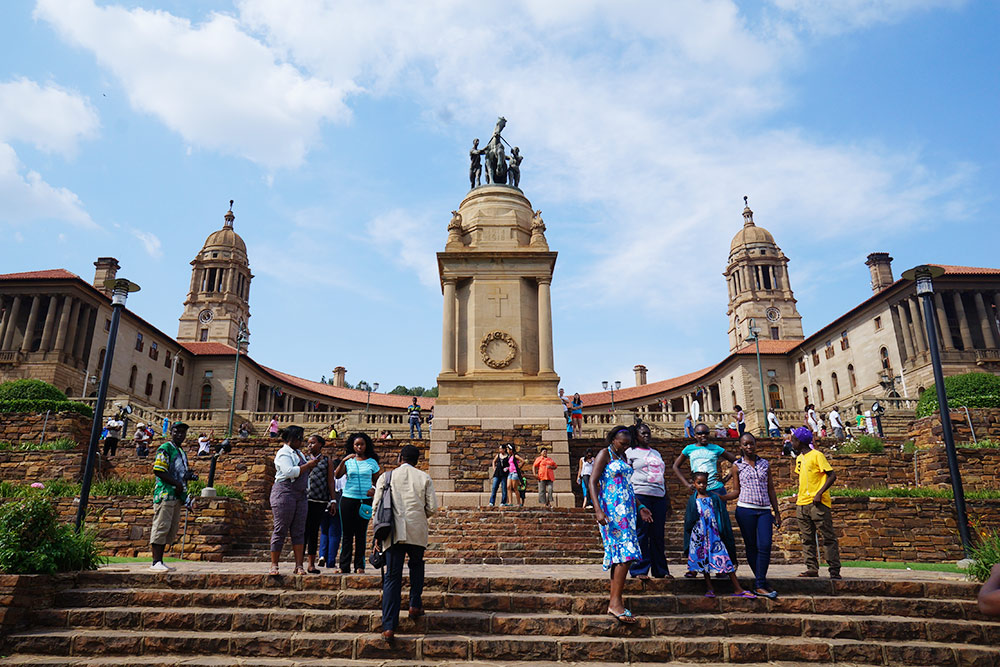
{"type": "Point", "coordinates": [274, 571]}
{"type": "Point", "coordinates": [625, 618]}
{"type": "Point", "coordinates": [745, 594]}
{"type": "Point", "coordinates": [312, 570]}
{"type": "Point", "coordinates": [298, 571]}
{"type": "Point", "coordinates": [771, 595]}
{"type": "Point", "coordinates": [690, 575]}
{"type": "Point", "coordinates": [710, 594]}
{"type": "Point", "coordinates": [808, 574]}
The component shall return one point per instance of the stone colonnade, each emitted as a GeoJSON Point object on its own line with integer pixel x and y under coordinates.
{"type": "Point", "coordinates": [54, 323]}
{"type": "Point", "coordinates": [977, 325]}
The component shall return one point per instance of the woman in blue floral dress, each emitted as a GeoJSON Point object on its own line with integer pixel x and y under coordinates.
{"type": "Point", "coordinates": [711, 536]}
{"type": "Point", "coordinates": [615, 510]}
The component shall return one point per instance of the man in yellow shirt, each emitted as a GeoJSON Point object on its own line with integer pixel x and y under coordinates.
{"type": "Point", "coordinates": [814, 506]}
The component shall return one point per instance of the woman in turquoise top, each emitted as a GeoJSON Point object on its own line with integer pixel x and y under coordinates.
{"type": "Point", "coordinates": [615, 510]}
{"type": "Point", "coordinates": [703, 456]}
{"type": "Point", "coordinates": [360, 465]}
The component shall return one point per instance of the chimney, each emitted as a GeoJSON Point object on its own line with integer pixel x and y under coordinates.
{"type": "Point", "coordinates": [338, 376]}
{"type": "Point", "coordinates": [107, 269]}
{"type": "Point", "coordinates": [880, 265]}
{"type": "Point", "coordinates": [640, 375]}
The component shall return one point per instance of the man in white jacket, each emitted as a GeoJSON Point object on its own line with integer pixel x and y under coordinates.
{"type": "Point", "coordinates": [413, 501]}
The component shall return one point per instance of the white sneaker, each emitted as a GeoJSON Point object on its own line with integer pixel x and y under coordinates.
{"type": "Point", "coordinates": [159, 566]}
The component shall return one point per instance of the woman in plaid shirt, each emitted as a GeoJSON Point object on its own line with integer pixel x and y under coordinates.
{"type": "Point", "coordinates": [756, 510]}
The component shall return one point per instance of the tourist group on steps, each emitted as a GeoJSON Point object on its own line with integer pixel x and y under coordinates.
{"type": "Point", "coordinates": [325, 502]}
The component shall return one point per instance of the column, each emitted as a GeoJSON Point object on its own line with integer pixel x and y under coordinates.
{"type": "Point", "coordinates": [946, 341]}
{"type": "Point", "coordinates": [15, 310]}
{"type": "Point", "coordinates": [29, 329]}
{"type": "Point", "coordinates": [63, 324]}
{"type": "Point", "coordinates": [81, 332]}
{"type": "Point", "coordinates": [996, 304]}
{"type": "Point", "coordinates": [448, 335]}
{"type": "Point", "coordinates": [74, 318]}
{"type": "Point", "coordinates": [984, 320]}
{"type": "Point", "coordinates": [899, 319]}
{"type": "Point", "coordinates": [919, 342]}
{"type": "Point", "coordinates": [6, 318]}
{"type": "Point", "coordinates": [50, 323]}
{"type": "Point", "coordinates": [546, 362]}
{"type": "Point", "coordinates": [963, 322]}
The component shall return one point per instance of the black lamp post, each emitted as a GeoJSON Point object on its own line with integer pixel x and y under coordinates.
{"type": "Point", "coordinates": [617, 385]}
{"type": "Point", "coordinates": [924, 276]}
{"type": "Point", "coordinates": [242, 337]}
{"type": "Point", "coordinates": [120, 288]}
{"type": "Point", "coordinates": [371, 388]}
{"type": "Point", "coordinates": [755, 337]}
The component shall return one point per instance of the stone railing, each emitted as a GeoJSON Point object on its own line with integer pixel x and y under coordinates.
{"type": "Point", "coordinates": [891, 403]}
{"type": "Point", "coordinates": [12, 357]}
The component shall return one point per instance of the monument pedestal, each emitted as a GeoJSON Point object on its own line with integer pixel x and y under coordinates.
{"type": "Point", "coordinates": [498, 385]}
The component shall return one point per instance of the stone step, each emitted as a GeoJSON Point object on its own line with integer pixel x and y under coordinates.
{"type": "Point", "coordinates": [652, 624]}
{"type": "Point", "coordinates": [92, 601]}
{"type": "Point", "coordinates": [748, 648]}
{"type": "Point", "coordinates": [227, 661]}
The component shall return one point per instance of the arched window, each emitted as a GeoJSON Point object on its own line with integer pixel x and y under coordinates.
{"type": "Point", "coordinates": [774, 396]}
{"type": "Point", "coordinates": [884, 357]}
{"type": "Point", "coordinates": [69, 391]}
{"type": "Point", "coordinates": [206, 396]}
{"type": "Point", "coordinates": [836, 385]}
{"type": "Point", "coordinates": [131, 377]}
{"type": "Point", "coordinates": [149, 384]}
{"type": "Point", "coordinates": [850, 377]}
{"type": "Point", "coordinates": [243, 404]}
{"type": "Point", "coordinates": [100, 361]}
{"type": "Point", "coordinates": [819, 391]}
{"type": "Point", "coordinates": [805, 397]}
{"type": "Point", "coordinates": [173, 401]}
{"type": "Point", "coordinates": [163, 391]}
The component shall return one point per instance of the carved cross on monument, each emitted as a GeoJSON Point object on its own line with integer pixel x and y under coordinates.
{"type": "Point", "coordinates": [497, 295]}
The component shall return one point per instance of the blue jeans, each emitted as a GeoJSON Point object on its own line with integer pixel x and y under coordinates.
{"type": "Point", "coordinates": [392, 582]}
{"type": "Point", "coordinates": [502, 483]}
{"type": "Point", "coordinates": [651, 538]}
{"type": "Point", "coordinates": [329, 539]}
{"type": "Point", "coordinates": [415, 421]}
{"type": "Point", "coordinates": [774, 432]}
{"type": "Point", "coordinates": [757, 527]}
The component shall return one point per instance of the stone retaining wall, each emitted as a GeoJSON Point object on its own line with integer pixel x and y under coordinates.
{"type": "Point", "coordinates": [17, 427]}
{"type": "Point", "coordinates": [472, 451]}
{"type": "Point", "coordinates": [926, 431]}
{"type": "Point", "coordinates": [980, 468]}
{"type": "Point", "coordinates": [890, 529]}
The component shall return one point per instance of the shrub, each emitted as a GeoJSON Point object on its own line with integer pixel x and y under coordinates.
{"type": "Point", "coordinates": [909, 447]}
{"type": "Point", "coordinates": [32, 542]}
{"type": "Point", "coordinates": [117, 486]}
{"type": "Point", "coordinates": [863, 444]}
{"type": "Point", "coordinates": [58, 488]}
{"type": "Point", "coordinates": [30, 390]}
{"type": "Point", "coordinates": [971, 390]}
{"type": "Point", "coordinates": [985, 555]}
{"type": "Point", "coordinates": [982, 443]}
{"type": "Point", "coordinates": [41, 405]}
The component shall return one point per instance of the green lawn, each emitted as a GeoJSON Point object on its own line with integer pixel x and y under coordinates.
{"type": "Point", "coordinates": [146, 559]}
{"type": "Point", "coordinates": [888, 565]}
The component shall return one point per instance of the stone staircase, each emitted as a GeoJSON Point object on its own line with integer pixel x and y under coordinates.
{"type": "Point", "coordinates": [108, 618]}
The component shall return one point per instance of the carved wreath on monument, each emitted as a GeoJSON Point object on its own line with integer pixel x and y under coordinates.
{"type": "Point", "coordinates": [498, 349]}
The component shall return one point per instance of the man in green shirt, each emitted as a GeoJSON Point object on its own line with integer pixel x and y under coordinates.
{"type": "Point", "coordinates": [169, 493]}
{"type": "Point", "coordinates": [414, 412]}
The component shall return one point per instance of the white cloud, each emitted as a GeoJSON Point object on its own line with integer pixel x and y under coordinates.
{"type": "Point", "coordinates": [50, 118]}
{"type": "Point", "coordinates": [403, 238]}
{"type": "Point", "coordinates": [212, 83]}
{"type": "Point", "coordinates": [150, 242]}
{"type": "Point", "coordinates": [830, 18]}
{"type": "Point", "coordinates": [27, 198]}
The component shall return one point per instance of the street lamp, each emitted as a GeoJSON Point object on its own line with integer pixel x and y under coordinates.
{"type": "Point", "coordinates": [242, 338]}
{"type": "Point", "coordinates": [616, 385]}
{"type": "Point", "coordinates": [371, 388]}
{"type": "Point", "coordinates": [755, 337]}
{"type": "Point", "coordinates": [120, 288]}
{"type": "Point", "coordinates": [924, 276]}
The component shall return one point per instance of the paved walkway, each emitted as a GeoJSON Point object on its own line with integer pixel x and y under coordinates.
{"type": "Point", "coordinates": [528, 571]}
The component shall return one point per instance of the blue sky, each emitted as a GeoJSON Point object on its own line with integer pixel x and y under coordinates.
{"type": "Point", "coordinates": [341, 129]}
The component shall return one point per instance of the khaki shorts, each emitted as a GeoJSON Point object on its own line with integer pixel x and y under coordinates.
{"type": "Point", "coordinates": [166, 520]}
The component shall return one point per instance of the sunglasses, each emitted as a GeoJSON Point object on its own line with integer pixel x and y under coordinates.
{"type": "Point", "coordinates": [701, 432]}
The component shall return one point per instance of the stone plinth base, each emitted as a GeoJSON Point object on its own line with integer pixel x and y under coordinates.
{"type": "Point", "coordinates": [466, 438]}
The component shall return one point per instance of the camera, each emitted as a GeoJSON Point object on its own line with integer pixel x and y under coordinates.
{"type": "Point", "coordinates": [190, 475]}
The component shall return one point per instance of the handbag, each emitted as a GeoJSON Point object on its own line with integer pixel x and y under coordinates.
{"type": "Point", "coordinates": [365, 511]}
{"type": "Point", "coordinates": [377, 557]}
{"type": "Point", "coordinates": [383, 525]}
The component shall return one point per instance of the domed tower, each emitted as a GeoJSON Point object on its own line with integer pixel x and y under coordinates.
{"type": "Point", "coordinates": [219, 299]}
{"type": "Point", "coordinates": [757, 276]}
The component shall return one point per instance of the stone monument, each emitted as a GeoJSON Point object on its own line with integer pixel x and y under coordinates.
{"type": "Point", "coordinates": [498, 383]}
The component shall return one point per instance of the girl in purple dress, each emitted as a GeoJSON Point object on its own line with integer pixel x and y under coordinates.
{"type": "Point", "coordinates": [708, 552]}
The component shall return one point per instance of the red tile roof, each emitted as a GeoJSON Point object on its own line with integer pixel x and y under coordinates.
{"type": "Point", "coordinates": [39, 275]}
{"type": "Point", "coordinates": [632, 393]}
{"type": "Point", "coordinates": [342, 393]}
{"type": "Point", "coordinates": [770, 347]}
{"type": "Point", "coordinates": [967, 270]}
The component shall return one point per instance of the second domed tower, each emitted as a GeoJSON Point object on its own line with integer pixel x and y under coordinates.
{"type": "Point", "coordinates": [219, 298]}
{"type": "Point", "coordinates": [759, 289]}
